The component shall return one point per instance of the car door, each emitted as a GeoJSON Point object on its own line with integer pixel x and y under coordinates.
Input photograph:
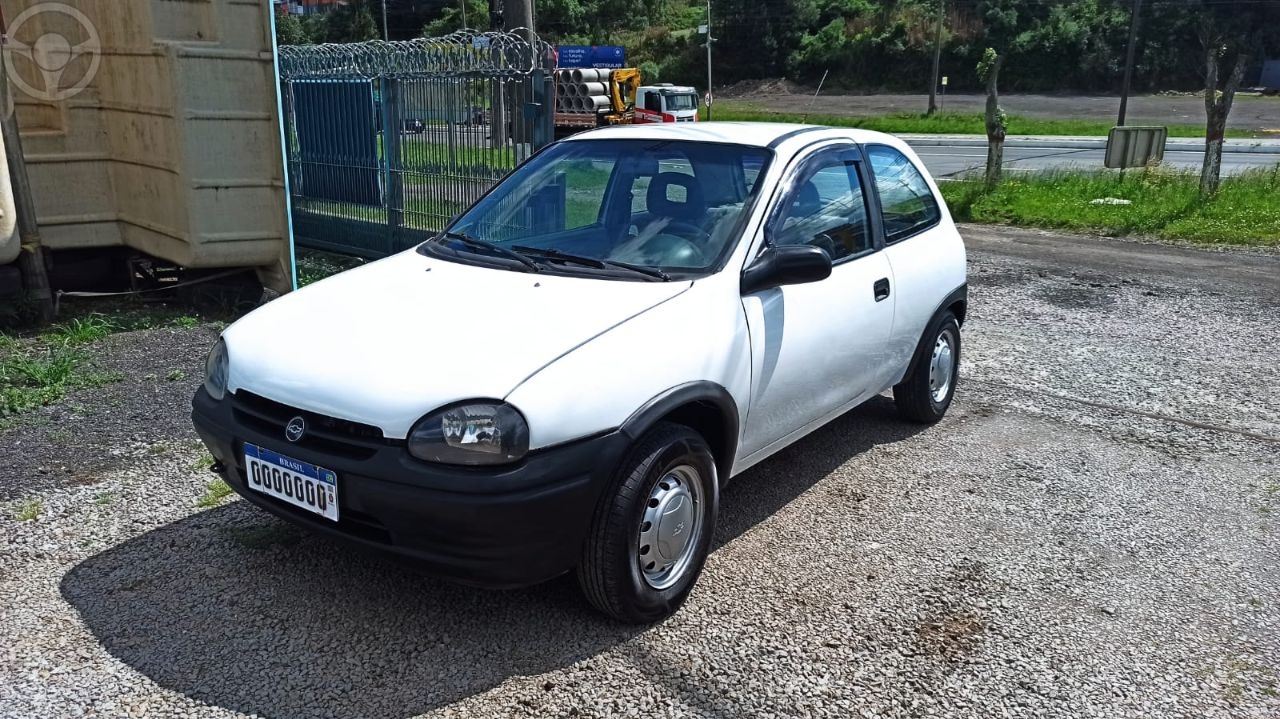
{"type": "Point", "coordinates": [921, 251]}
{"type": "Point", "coordinates": [817, 348]}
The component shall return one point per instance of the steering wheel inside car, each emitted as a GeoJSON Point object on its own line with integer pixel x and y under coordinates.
{"type": "Point", "coordinates": [675, 244]}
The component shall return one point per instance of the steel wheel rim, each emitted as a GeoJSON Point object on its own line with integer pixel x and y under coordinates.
{"type": "Point", "coordinates": [942, 367]}
{"type": "Point", "coordinates": [671, 527]}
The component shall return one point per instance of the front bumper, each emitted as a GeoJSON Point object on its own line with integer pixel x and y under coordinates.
{"type": "Point", "coordinates": [497, 527]}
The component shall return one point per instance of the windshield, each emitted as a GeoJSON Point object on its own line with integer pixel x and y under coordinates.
{"type": "Point", "coordinates": [681, 102]}
{"type": "Point", "coordinates": [671, 206]}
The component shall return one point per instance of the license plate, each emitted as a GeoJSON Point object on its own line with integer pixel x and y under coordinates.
{"type": "Point", "coordinates": [299, 483]}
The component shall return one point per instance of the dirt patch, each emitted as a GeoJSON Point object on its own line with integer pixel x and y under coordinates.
{"type": "Point", "coordinates": [94, 430]}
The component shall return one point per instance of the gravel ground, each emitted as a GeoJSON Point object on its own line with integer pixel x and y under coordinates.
{"type": "Point", "coordinates": [1089, 533]}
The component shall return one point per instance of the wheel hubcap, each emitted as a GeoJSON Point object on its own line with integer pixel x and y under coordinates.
{"type": "Point", "coordinates": [941, 367]}
{"type": "Point", "coordinates": [670, 528]}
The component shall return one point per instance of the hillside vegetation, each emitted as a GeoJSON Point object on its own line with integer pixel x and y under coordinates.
{"type": "Point", "coordinates": [1053, 45]}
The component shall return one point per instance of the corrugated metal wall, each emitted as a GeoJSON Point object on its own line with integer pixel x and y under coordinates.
{"type": "Point", "coordinates": [173, 146]}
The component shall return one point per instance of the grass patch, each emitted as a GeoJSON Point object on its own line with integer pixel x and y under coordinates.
{"type": "Point", "coordinates": [942, 123]}
{"type": "Point", "coordinates": [29, 510]}
{"type": "Point", "coordinates": [215, 491]}
{"type": "Point", "coordinates": [1163, 204]}
{"type": "Point", "coordinates": [203, 463]}
{"type": "Point", "coordinates": [81, 330]}
{"type": "Point", "coordinates": [176, 375]}
{"type": "Point", "coordinates": [104, 498]}
{"type": "Point", "coordinates": [314, 265]}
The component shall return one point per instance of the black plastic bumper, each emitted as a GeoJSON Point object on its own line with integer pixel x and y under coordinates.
{"type": "Point", "coordinates": [494, 527]}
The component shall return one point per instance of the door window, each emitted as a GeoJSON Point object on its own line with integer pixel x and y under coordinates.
{"type": "Point", "coordinates": [905, 198]}
{"type": "Point", "coordinates": [826, 209]}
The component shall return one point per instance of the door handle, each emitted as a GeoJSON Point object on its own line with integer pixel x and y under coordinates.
{"type": "Point", "coordinates": [882, 289]}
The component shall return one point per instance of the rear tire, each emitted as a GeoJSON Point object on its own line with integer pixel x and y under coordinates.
{"type": "Point", "coordinates": [925, 394]}
{"type": "Point", "coordinates": [652, 528]}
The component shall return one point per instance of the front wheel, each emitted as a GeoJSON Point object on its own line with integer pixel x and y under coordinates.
{"type": "Point", "coordinates": [925, 394]}
{"type": "Point", "coordinates": [652, 528]}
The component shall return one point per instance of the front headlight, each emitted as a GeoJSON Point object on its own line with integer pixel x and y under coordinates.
{"type": "Point", "coordinates": [474, 433]}
{"type": "Point", "coordinates": [215, 370]}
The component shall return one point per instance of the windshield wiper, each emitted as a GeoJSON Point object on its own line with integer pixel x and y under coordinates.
{"type": "Point", "coordinates": [593, 261]}
{"type": "Point", "coordinates": [494, 248]}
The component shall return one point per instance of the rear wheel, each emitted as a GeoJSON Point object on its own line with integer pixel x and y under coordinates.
{"type": "Point", "coordinates": [925, 394]}
{"type": "Point", "coordinates": [652, 529]}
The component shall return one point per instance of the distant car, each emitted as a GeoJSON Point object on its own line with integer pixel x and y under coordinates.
{"type": "Point", "coordinates": [567, 377]}
{"type": "Point", "coordinates": [414, 127]}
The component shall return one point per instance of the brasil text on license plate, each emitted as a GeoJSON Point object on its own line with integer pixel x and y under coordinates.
{"type": "Point", "coordinates": [299, 483]}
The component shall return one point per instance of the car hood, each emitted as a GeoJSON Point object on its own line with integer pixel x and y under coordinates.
{"type": "Point", "coordinates": [390, 341]}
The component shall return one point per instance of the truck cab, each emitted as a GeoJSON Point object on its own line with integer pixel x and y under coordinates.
{"type": "Point", "coordinates": [666, 103]}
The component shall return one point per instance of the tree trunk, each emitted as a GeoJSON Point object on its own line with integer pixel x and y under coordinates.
{"type": "Point", "coordinates": [995, 126]}
{"type": "Point", "coordinates": [1216, 109]}
{"type": "Point", "coordinates": [937, 59]}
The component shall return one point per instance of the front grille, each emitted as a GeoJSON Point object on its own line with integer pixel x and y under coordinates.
{"type": "Point", "coordinates": [332, 435]}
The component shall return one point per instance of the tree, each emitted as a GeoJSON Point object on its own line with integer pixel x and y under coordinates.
{"type": "Point", "coordinates": [289, 30]}
{"type": "Point", "coordinates": [451, 19]}
{"type": "Point", "coordinates": [1232, 33]}
{"type": "Point", "coordinates": [989, 71]}
{"type": "Point", "coordinates": [352, 22]}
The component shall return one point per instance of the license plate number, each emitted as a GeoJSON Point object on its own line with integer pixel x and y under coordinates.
{"type": "Point", "coordinates": [299, 483]}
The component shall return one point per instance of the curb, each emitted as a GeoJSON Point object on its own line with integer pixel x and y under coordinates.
{"type": "Point", "coordinates": [1266, 147]}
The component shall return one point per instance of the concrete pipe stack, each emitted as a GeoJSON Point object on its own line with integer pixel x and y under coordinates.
{"type": "Point", "coordinates": [584, 91]}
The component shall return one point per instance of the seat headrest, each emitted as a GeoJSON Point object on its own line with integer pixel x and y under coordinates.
{"type": "Point", "coordinates": [685, 203]}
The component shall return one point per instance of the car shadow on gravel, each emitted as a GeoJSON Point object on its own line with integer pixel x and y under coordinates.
{"type": "Point", "coordinates": [234, 608]}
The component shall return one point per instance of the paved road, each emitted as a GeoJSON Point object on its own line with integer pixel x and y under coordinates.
{"type": "Point", "coordinates": [953, 161]}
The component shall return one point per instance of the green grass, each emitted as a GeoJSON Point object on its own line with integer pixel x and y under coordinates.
{"type": "Point", "coordinates": [1164, 204]}
{"type": "Point", "coordinates": [941, 123]}
{"type": "Point", "coordinates": [314, 265]}
{"type": "Point", "coordinates": [104, 498]}
{"type": "Point", "coordinates": [29, 510]}
{"type": "Point", "coordinates": [215, 491]}
{"type": "Point", "coordinates": [176, 375]}
{"type": "Point", "coordinates": [81, 330]}
{"type": "Point", "coordinates": [203, 464]}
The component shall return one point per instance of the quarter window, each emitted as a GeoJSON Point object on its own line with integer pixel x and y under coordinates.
{"type": "Point", "coordinates": [905, 198]}
{"type": "Point", "coordinates": [826, 209]}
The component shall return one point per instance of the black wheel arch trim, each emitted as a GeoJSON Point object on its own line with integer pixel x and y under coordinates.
{"type": "Point", "coordinates": [960, 294]}
{"type": "Point", "coordinates": [692, 393]}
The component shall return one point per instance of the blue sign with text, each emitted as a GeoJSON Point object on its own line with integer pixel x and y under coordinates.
{"type": "Point", "coordinates": [598, 56]}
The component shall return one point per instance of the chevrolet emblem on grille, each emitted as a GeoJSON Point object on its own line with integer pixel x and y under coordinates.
{"type": "Point", "coordinates": [295, 429]}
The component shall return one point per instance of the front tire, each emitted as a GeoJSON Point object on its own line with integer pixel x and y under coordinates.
{"type": "Point", "coordinates": [925, 394]}
{"type": "Point", "coordinates": [652, 528]}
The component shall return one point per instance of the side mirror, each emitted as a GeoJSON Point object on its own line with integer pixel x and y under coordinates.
{"type": "Point", "coordinates": [786, 265]}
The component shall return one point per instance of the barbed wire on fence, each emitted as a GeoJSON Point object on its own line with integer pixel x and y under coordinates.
{"type": "Point", "coordinates": [466, 52]}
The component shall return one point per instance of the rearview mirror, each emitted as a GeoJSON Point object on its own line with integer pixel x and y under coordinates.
{"type": "Point", "coordinates": [782, 265]}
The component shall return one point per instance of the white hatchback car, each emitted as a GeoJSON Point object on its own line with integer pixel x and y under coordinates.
{"type": "Point", "coordinates": [566, 378]}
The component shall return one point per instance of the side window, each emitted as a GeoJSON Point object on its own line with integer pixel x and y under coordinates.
{"type": "Point", "coordinates": [826, 209]}
{"type": "Point", "coordinates": [653, 101]}
{"type": "Point", "coordinates": [905, 199]}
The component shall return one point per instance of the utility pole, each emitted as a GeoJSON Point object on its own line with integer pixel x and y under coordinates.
{"type": "Point", "coordinates": [1128, 61]}
{"type": "Point", "coordinates": [463, 4]}
{"type": "Point", "coordinates": [31, 259]}
{"type": "Point", "coordinates": [520, 14]}
{"type": "Point", "coordinates": [385, 36]}
{"type": "Point", "coordinates": [709, 39]}
{"type": "Point", "coordinates": [937, 58]}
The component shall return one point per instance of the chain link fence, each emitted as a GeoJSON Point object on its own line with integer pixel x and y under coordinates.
{"type": "Point", "coordinates": [387, 141]}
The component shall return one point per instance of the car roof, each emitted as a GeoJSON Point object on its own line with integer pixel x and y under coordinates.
{"type": "Point", "coordinates": [756, 134]}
